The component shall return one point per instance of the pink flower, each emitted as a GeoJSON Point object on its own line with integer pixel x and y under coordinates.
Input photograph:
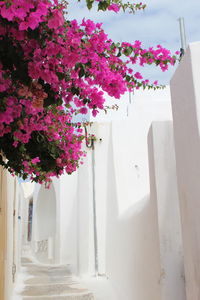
{"type": "Point", "coordinates": [15, 144]}
{"type": "Point", "coordinates": [138, 75]}
{"type": "Point", "coordinates": [89, 26]}
{"type": "Point", "coordinates": [56, 20]}
{"type": "Point", "coordinates": [58, 161]}
{"type": "Point", "coordinates": [33, 21]}
{"type": "Point", "coordinates": [83, 110]}
{"type": "Point", "coordinates": [94, 112]}
{"type": "Point", "coordinates": [23, 26]}
{"type": "Point", "coordinates": [7, 13]}
{"type": "Point", "coordinates": [35, 160]}
{"type": "Point", "coordinates": [25, 164]}
{"type": "Point", "coordinates": [114, 7]}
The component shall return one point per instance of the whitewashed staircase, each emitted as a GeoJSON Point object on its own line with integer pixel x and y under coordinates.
{"type": "Point", "coordinates": [49, 282]}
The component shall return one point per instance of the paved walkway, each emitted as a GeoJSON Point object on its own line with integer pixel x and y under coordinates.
{"type": "Point", "coordinates": [48, 282]}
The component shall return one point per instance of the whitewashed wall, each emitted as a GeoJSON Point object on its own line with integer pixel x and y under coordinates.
{"type": "Point", "coordinates": [185, 88]}
{"type": "Point", "coordinates": [132, 233]}
{"type": "Point", "coordinates": [11, 186]}
{"type": "Point", "coordinates": [59, 221]}
{"type": "Point", "coordinates": [44, 227]}
{"type": "Point", "coordinates": [163, 186]}
{"type": "Point", "coordinates": [68, 220]}
{"type": "Point", "coordinates": [11, 251]}
{"type": "Point", "coordinates": [127, 227]}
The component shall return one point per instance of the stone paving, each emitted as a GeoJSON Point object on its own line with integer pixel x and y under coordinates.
{"type": "Point", "coordinates": [46, 282]}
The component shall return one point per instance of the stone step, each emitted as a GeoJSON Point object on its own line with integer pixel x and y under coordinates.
{"type": "Point", "coordinates": [26, 260]}
{"type": "Point", "coordinates": [88, 296]}
{"type": "Point", "coordinates": [41, 270]}
{"type": "Point", "coordinates": [53, 289]}
{"type": "Point", "coordinates": [49, 280]}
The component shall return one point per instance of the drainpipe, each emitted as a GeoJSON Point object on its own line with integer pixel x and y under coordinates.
{"type": "Point", "coordinates": [90, 145]}
{"type": "Point", "coordinates": [14, 267]}
{"type": "Point", "coordinates": [183, 36]}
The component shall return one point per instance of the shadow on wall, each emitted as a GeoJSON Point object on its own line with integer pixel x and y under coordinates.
{"type": "Point", "coordinates": [132, 247]}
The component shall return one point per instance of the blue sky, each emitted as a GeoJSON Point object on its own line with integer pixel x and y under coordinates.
{"type": "Point", "coordinates": [156, 25]}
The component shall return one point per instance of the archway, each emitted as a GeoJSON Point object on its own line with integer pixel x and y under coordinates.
{"type": "Point", "coordinates": [45, 229]}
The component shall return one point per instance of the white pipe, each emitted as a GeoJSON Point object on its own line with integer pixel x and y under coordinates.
{"type": "Point", "coordinates": [94, 215]}
{"type": "Point", "coordinates": [183, 34]}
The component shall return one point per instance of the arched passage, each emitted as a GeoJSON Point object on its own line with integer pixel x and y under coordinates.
{"type": "Point", "coordinates": [45, 231]}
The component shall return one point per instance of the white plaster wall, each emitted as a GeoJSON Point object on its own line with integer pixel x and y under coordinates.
{"type": "Point", "coordinates": [17, 229]}
{"type": "Point", "coordinates": [101, 157]}
{"type": "Point", "coordinates": [127, 229]}
{"type": "Point", "coordinates": [46, 213]}
{"type": "Point", "coordinates": [132, 258]}
{"type": "Point", "coordinates": [132, 250]}
{"type": "Point", "coordinates": [130, 144]}
{"type": "Point", "coordinates": [59, 219]}
{"type": "Point", "coordinates": [85, 228]}
{"type": "Point", "coordinates": [56, 183]}
{"type": "Point", "coordinates": [11, 255]}
{"type": "Point", "coordinates": [68, 220]}
{"type": "Point", "coordinates": [10, 245]}
{"type": "Point", "coordinates": [44, 225]}
{"type": "Point", "coordinates": [185, 89]}
{"type": "Point", "coordinates": [20, 241]}
{"type": "Point", "coordinates": [163, 183]}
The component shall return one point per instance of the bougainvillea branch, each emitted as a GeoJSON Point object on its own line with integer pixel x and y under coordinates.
{"type": "Point", "coordinates": [115, 5]}
{"type": "Point", "coordinates": [51, 69]}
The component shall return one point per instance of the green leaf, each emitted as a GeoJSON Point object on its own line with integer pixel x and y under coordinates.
{"type": "Point", "coordinates": [103, 5]}
{"type": "Point", "coordinates": [128, 51]}
{"type": "Point", "coordinates": [81, 73]}
{"type": "Point", "coordinates": [82, 70]}
{"type": "Point", "coordinates": [112, 46]}
{"type": "Point", "coordinates": [60, 75]}
{"type": "Point", "coordinates": [75, 91]}
{"type": "Point", "coordinates": [22, 148]}
{"type": "Point", "coordinates": [128, 78]}
{"type": "Point", "coordinates": [89, 3]}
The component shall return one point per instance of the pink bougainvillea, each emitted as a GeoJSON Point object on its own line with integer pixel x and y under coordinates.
{"type": "Point", "coordinates": [51, 69]}
{"type": "Point", "coordinates": [114, 7]}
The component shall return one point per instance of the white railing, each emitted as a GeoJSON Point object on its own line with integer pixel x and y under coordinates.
{"type": "Point", "coordinates": [45, 246]}
{"type": "Point", "coordinates": [41, 246]}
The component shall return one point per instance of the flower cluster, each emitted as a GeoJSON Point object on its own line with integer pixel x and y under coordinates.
{"type": "Point", "coordinates": [51, 69]}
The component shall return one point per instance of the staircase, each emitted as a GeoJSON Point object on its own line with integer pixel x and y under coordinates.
{"type": "Point", "coordinates": [50, 282]}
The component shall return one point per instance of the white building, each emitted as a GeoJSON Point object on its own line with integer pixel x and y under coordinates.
{"type": "Point", "coordinates": [116, 222]}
